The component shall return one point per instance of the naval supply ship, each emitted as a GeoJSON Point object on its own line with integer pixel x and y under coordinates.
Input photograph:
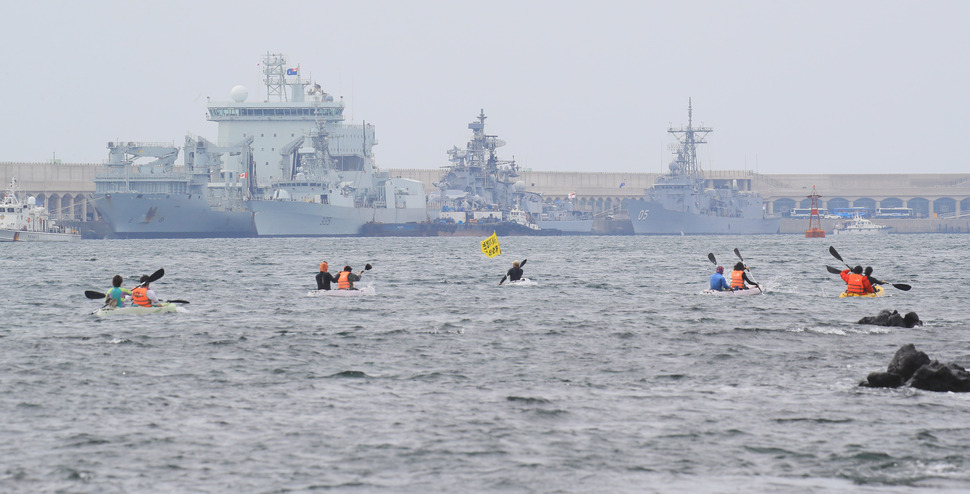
{"type": "Point", "coordinates": [322, 179]}
{"type": "Point", "coordinates": [156, 200]}
{"type": "Point", "coordinates": [680, 203]}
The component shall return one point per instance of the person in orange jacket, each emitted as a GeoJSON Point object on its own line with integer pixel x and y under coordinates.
{"type": "Point", "coordinates": [856, 282]}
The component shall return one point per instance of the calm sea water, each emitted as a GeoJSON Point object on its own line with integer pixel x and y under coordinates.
{"type": "Point", "coordinates": [610, 374]}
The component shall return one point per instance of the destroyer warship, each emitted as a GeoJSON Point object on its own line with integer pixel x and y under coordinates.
{"type": "Point", "coordinates": [480, 193]}
{"type": "Point", "coordinates": [681, 203]}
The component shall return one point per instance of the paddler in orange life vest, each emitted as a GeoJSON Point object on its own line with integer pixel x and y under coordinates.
{"type": "Point", "coordinates": [324, 278]}
{"type": "Point", "coordinates": [143, 295]}
{"type": "Point", "coordinates": [346, 279]}
{"type": "Point", "coordinates": [856, 282]}
{"type": "Point", "coordinates": [739, 278]}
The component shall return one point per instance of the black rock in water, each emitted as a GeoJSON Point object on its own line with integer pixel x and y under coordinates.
{"type": "Point", "coordinates": [936, 376]}
{"type": "Point", "coordinates": [892, 318]}
{"type": "Point", "coordinates": [912, 367]}
{"type": "Point", "coordinates": [906, 361]}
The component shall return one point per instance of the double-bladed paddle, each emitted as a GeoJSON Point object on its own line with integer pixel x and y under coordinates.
{"type": "Point", "coordinates": [507, 275]}
{"type": "Point", "coordinates": [151, 279]}
{"type": "Point", "coordinates": [738, 253]}
{"type": "Point", "coordinates": [899, 286]}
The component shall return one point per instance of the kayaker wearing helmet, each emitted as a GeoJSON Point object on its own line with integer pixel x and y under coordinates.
{"type": "Point", "coordinates": [717, 280]}
{"type": "Point", "coordinates": [143, 295]}
{"type": "Point", "coordinates": [324, 278]}
{"type": "Point", "coordinates": [346, 279]}
{"type": "Point", "coordinates": [856, 282]}
{"type": "Point", "coordinates": [115, 297]}
{"type": "Point", "coordinates": [739, 278]}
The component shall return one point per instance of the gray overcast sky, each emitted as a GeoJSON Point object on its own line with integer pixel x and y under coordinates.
{"type": "Point", "coordinates": [788, 86]}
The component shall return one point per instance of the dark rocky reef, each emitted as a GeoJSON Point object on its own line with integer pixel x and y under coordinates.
{"type": "Point", "coordinates": [911, 367]}
{"type": "Point", "coordinates": [892, 318]}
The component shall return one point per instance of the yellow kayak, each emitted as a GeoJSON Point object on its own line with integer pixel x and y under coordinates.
{"type": "Point", "coordinates": [879, 292]}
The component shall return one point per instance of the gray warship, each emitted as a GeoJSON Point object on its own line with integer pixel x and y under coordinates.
{"type": "Point", "coordinates": [155, 200]}
{"type": "Point", "coordinates": [322, 178]}
{"type": "Point", "coordinates": [680, 203]}
{"type": "Point", "coordinates": [479, 193]}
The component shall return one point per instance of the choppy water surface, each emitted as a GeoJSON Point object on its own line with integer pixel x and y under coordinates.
{"type": "Point", "coordinates": [612, 373]}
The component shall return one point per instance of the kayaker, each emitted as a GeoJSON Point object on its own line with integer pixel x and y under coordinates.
{"type": "Point", "coordinates": [324, 278]}
{"type": "Point", "coordinates": [856, 282]}
{"type": "Point", "coordinates": [739, 278]}
{"type": "Point", "coordinates": [143, 295]}
{"type": "Point", "coordinates": [514, 273]}
{"type": "Point", "coordinates": [115, 297]}
{"type": "Point", "coordinates": [346, 279]}
{"type": "Point", "coordinates": [718, 282]}
{"type": "Point", "coordinates": [873, 281]}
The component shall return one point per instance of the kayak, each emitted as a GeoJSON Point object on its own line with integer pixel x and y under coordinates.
{"type": "Point", "coordinates": [357, 292]}
{"type": "Point", "coordinates": [522, 282]}
{"type": "Point", "coordinates": [732, 293]}
{"type": "Point", "coordinates": [135, 309]}
{"type": "Point", "coordinates": [879, 293]}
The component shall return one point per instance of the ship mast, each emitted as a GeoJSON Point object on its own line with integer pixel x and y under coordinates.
{"type": "Point", "coordinates": [274, 68]}
{"type": "Point", "coordinates": [689, 138]}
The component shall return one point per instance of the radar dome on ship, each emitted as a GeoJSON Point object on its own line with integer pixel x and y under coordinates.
{"type": "Point", "coordinates": [519, 186]}
{"type": "Point", "coordinates": [239, 93]}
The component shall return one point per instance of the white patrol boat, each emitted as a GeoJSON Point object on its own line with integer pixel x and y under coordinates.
{"type": "Point", "coordinates": [27, 222]}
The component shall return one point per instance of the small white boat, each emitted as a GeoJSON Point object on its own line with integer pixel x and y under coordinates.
{"type": "Point", "coordinates": [363, 291]}
{"type": "Point", "coordinates": [28, 222]}
{"type": "Point", "coordinates": [860, 226]}
{"type": "Point", "coordinates": [137, 310]}
{"type": "Point", "coordinates": [733, 293]}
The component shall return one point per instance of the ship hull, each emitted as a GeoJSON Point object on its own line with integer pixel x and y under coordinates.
{"type": "Point", "coordinates": [311, 219]}
{"type": "Point", "coordinates": [650, 218]}
{"type": "Point", "coordinates": [132, 215]}
{"type": "Point", "coordinates": [574, 227]}
{"type": "Point", "coordinates": [29, 236]}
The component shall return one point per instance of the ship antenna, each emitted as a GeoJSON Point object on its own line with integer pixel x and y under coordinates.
{"type": "Point", "coordinates": [689, 138]}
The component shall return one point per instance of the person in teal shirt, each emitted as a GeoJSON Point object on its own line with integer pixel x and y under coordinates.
{"type": "Point", "coordinates": [116, 296]}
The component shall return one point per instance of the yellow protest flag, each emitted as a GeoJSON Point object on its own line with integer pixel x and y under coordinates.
{"type": "Point", "coordinates": [490, 246]}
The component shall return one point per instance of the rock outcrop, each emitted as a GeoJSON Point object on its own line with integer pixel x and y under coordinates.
{"type": "Point", "coordinates": [892, 318]}
{"type": "Point", "coordinates": [914, 368]}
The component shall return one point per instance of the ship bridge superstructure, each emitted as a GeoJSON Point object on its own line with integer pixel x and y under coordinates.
{"type": "Point", "coordinates": [282, 118]}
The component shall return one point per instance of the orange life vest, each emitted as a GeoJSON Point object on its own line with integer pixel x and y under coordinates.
{"type": "Point", "coordinates": [343, 282]}
{"type": "Point", "coordinates": [854, 284]}
{"type": "Point", "coordinates": [140, 297]}
{"type": "Point", "coordinates": [737, 280]}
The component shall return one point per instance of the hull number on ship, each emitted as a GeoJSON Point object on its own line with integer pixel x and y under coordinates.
{"type": "Point", "coordinates": [643, 214]}
{"type": "Point", "coordinates": [325, 221]}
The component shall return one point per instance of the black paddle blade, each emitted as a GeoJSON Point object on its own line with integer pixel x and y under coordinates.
{"type": "Point", "coordinates": [156, 275]}
{"type": "Point", "coordinates": [93, 294]}
{"type": "Point", "coordinates": [902, 286]}
{"type": "Point", "coordinates": [523, 262]}
{"type": "Point", "coordinates": [738, 253]}
{"type": "Point", "coordinates": [833, 270]}
{"type": "Point", "coordinates": [711, 257]}
{"type": "Point", "coordinates": [835, 253]}
{"type": "Point", "coordinates": [178, 301]}
{"type": "Point", "coordinates": [368, 267]}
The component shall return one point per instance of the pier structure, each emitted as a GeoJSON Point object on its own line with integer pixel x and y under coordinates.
{"type": "Point", "coordinates": [66, 188]}
{"type": "Point", "coordinates": [930, 195]}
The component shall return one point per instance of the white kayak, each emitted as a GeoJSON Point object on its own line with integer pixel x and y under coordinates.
{"type": "Point", "coordinates": [522, 282]}
{"type": "Point", "coordinates": [357, 292]}
{"type": "Point", "coordinates": [135, 309]}
{"type": "Point", "coordinates": [733, 293]}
